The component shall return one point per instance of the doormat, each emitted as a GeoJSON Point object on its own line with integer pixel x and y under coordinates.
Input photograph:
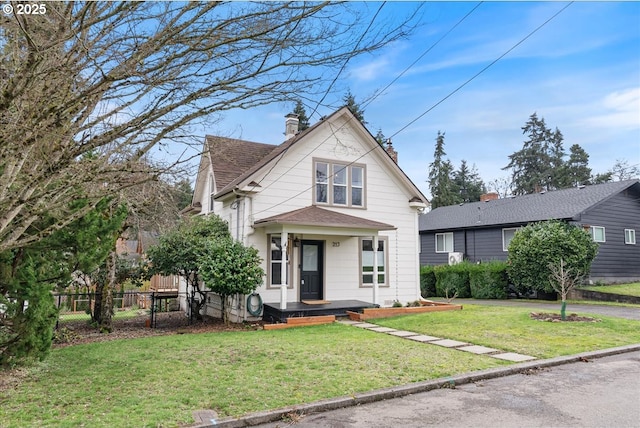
{"type": "Point", "coordinates": [315, 302]}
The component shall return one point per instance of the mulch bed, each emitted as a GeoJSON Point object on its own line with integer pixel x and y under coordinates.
{"type": "Point", "coordinates": [167, 323]}
{"type": "Point", "coordinates": [550, 317]}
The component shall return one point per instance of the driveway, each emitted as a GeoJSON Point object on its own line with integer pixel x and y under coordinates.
{"type": "Point", "coordinates": [628, 312]}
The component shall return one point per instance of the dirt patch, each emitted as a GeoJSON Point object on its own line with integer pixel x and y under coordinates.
{"type": "Point", "coordinates": [79, 332]}
{"type": "Point", "coordinates": [550, 317]}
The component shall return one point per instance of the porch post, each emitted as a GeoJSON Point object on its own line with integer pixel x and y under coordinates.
{"type": "Point", "coordinates": [375, 269]}
{"type": "Point", "coordinates": [284, 239]}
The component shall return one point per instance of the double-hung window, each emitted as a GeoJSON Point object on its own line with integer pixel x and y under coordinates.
{"type": "Point", "coordinates": [444, 242]}
{"type": "Point", "coordinates": [366, 262]}
{"type": "Point", "coordinates": [339, 184]}
{"type": "Point", "coordinates": [275, 256]}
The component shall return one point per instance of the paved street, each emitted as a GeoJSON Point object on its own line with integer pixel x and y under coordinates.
{"type": "Point", "coordinates": [604, 392]}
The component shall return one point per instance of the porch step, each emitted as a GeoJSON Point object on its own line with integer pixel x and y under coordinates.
{"type": "Point", "coordinates": [302, 321]}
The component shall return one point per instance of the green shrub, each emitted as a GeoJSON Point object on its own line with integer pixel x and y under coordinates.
{"type": "Point", "coordinates": [535, 247]}
{"type": "Point", "coordinates": [489, 280]}
{"type": "Point", "coordinates": [427, 281]}
{"type": "Point", "coordinates": [453, 278]}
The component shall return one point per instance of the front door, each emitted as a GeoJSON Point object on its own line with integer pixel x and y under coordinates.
{"type": "Point", "coordinates": [311, 267]}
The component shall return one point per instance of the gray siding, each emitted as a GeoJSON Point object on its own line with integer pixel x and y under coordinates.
{"type": "Point", "coordinates": [477, 245]}
{"type": "Point", "coordinates": [616, 261]}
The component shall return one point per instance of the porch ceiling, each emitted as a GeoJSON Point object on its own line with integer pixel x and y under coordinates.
{"type": "Point", "coordinates": [316, 219]}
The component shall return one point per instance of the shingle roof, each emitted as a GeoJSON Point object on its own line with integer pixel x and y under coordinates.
{"type": "Point", "coordinates": [559, 204]}
{"type": "Point", "coordinates": [316, 216]}
{"type": "Point", "coordinates": [231, 157]}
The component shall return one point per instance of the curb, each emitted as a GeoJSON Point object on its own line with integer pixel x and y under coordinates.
{"type": "Point", "coordinates": [400, 391]}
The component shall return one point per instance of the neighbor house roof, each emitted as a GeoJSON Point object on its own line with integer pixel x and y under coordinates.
{"type": "Point", "coordinates": [316, 216]}
{"type": "Point", "coordinates": [559, 204]}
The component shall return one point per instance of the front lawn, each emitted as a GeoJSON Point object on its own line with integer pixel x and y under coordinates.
{"type": "Point", "coordinates": [512, 329]}
{"type": "Point", "coordinates": [160, 381]}
{"type": "Point", "coordinates": [632, 289]}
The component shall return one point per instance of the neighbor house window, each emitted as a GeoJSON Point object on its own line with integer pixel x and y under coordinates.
{"type": "Point", "coordinates": [597, 233]}
{"type": "Point", "coordinates": [444, 242]}
{"type": "Point", "coordinates": [630, 236]}
{"type": "Point", "coordinates": [275, 259]}
{"type": "Point", "coordinates": [339, 184]}
{"type": "Point", "coordinates": [507, 236]}
{"type": "Point", "coordinates": [366, 262]}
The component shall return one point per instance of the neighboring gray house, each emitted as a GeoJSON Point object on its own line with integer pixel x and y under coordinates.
{"type": "Point", "coordinates": [481, 231]}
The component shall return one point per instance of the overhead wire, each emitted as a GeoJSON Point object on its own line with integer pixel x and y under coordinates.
{"type": "Point", "coordinates": [433, 106]}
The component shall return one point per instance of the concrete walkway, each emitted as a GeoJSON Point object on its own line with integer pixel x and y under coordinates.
{"type": "Point", "coordinates": [447, 343]}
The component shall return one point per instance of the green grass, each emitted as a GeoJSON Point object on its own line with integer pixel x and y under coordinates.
{"type": "Point", "coordinates": [632, 289]}
{"type": "Point", "coordinates": [511, 329]}
{"type": "Point", "coordinates": [160, 381]}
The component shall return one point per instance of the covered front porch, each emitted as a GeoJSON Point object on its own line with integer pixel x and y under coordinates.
{"type": "Point", "coordinates": [272, 312]}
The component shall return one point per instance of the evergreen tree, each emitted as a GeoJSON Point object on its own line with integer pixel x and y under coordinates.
{"type": "Point", "coordinates": [440, 182]}
{"type": "Point", "coordinates": [303, 120]}
{"type": "Point", "coordinates": [538, 165]}
{"type": "Point", "coordinates": [350, 101]}
{"type": "Point", "coordinates": [577, 167]}
{"type": "Point", "coordinates": [380, 138]}
{"type": "Point", "coordinates": [467, 183]}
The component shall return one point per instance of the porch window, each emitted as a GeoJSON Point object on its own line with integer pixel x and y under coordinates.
{"type": "Point", "coordinates": [597, 233]}
{"type": "Point", "coordinates": [630, 236]}
{"type": "Point", "coordinates": [339, 184]}
{"type": "Point", "coordinates": [366, 262]}
{"type": "Point", "coordinates": [444, 242]}
{"type": "Point", "coordinates": [274, 266]}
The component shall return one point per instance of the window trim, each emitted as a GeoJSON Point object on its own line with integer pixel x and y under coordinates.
{"type": "Point", "coordinates": [385, 247]}
{"type": "Point", "coordinates": [332, 167]}
{"type": "Point", "coordinates": [270, 262]}
{"type": "Point", "coordinates": [515, 229]}
{"type": "Point", "coordinates": [630, 233]}
{"type": "Point", "coordinates": [444, 251]}
{"type": "Point", "coordinates": [593, 234]}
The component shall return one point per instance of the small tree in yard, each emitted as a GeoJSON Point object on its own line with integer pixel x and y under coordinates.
{"type": "Point", "coordinates": [536, 246]}
{"type": "Point", "coordinates": [180, 250]}
{"type": "Point", "coordinates": [228, 267]}
{"type": "Point", "coordinates": [563, 280]}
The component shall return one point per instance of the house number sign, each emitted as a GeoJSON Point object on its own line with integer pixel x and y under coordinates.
{"type": "Point", "coordinates": [335, 244]}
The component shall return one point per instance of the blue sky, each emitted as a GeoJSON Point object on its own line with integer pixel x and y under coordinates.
{"type": "Point", "coordinates": [581, 72]}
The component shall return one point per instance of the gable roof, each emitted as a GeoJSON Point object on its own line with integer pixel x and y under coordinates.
{"type": "Point", "coordinates": [231, 157]}
{"type": "Point", "coordinates": [558, 204]}
{"type": "Point", "coordinates": [244, 171]}
{"type": "Point", "coordinates": [316, 216]}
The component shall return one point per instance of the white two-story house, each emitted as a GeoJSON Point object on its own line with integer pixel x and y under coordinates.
{"type": "Point", "coordinates": [333, 216]}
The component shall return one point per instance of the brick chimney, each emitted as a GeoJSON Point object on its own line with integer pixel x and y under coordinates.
{"type": "Point", "coordinates": [488, 197]}
{"type": "Point", "coordinates": [290, 126]}
{"type": "Point", "coordinates": [391, 151]}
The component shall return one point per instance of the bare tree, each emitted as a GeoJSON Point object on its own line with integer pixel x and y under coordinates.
{"type": "Point", "coordinates": [563, 280]}
{"type": "Point", "coordinates": [89, 88]}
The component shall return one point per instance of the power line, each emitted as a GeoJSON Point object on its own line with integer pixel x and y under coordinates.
{"type": "Point", "coordinates": [377, 146]}
{"type": "Point", "coordinates": [482, 71]}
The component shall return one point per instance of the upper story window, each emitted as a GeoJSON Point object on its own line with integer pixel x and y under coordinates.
{"type": "Point", "coordinates": [339, 184]}
{"type": "Point", "coordinates": [211, 194]}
